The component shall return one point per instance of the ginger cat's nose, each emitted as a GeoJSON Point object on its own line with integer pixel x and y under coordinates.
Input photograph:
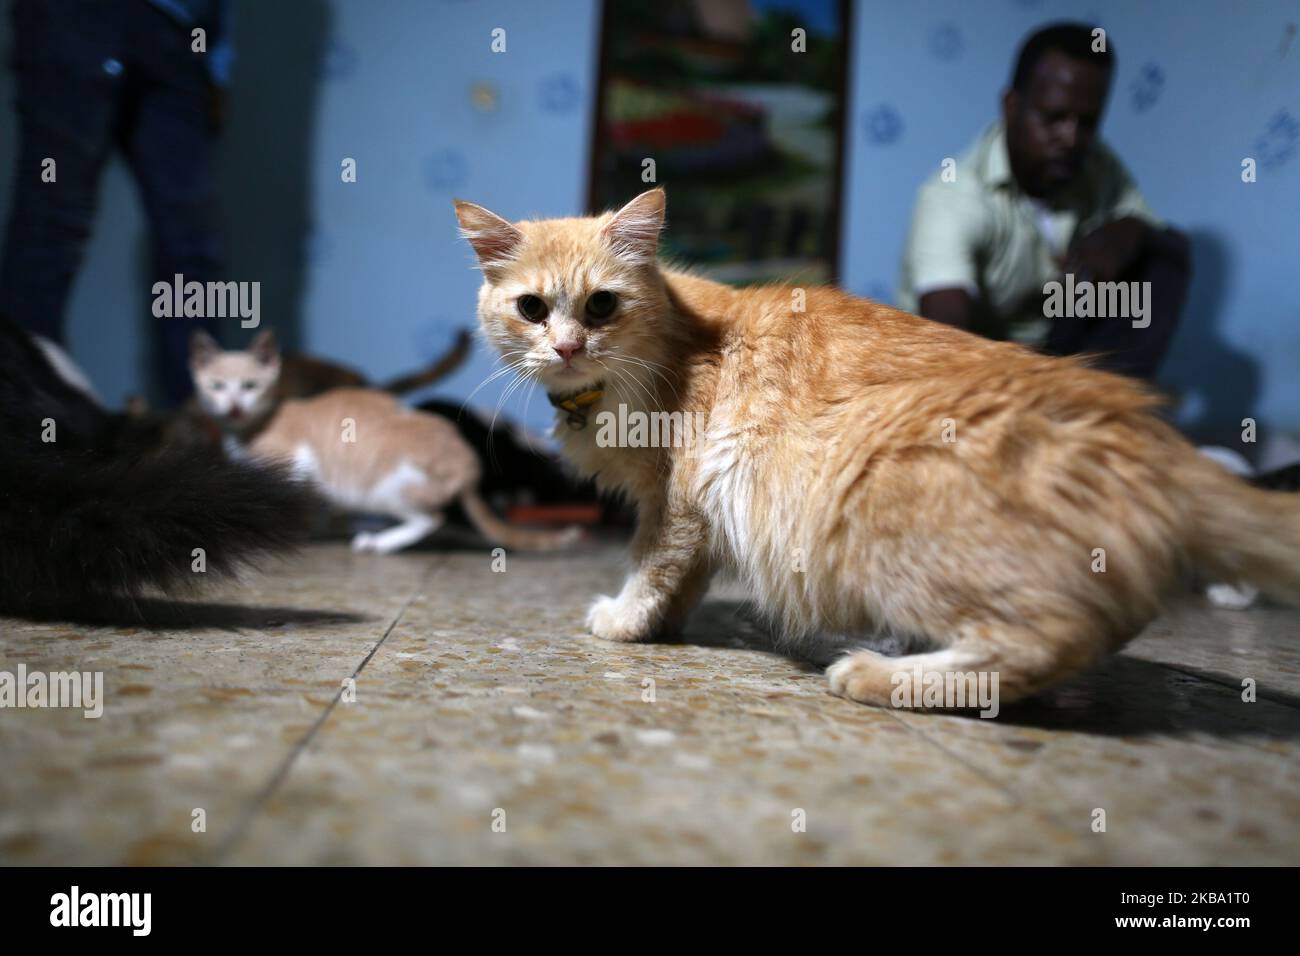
{"type": "Point", "coordinates": [567, 350]}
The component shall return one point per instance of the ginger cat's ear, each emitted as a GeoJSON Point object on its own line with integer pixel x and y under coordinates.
{"type": "Point", "coordinates": [203, 349]}
{"type": "Point", "coordinates": [634, 230]}
{"type": "Point", "coordinates": [495, 240]}
{"type": "Point", "coordinates": [263, 347]}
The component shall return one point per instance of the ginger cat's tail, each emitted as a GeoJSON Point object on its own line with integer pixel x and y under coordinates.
{"type": "Point", "coordinates": [496, 530]}
{"type": "Point", "coordinates": [1244, 533]}
{"type": "Point", "coordinates": [453, 360]}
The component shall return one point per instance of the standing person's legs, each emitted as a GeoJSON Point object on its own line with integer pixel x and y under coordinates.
{"type": "Point", "coordinates": [67, 60]}
{"type": "Point", "coordinates": [1119, 346]}
{"type": "Point", "coordinates": [169, 144]}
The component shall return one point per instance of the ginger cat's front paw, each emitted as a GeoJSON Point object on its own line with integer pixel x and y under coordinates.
{"type": "Point", "coordinates": [614, 619]}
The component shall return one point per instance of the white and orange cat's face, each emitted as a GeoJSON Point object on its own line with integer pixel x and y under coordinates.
{"type": "Point", "coordinates": [569, 302]}
{"type": "Point", "coordinates": [237, 385]}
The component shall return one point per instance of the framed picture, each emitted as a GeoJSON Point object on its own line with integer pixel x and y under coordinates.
{"type": "Point", "coordinates": [737, 108]}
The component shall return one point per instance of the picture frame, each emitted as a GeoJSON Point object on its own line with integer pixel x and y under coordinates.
{"type": "Point", "coordinates": [741, 117]}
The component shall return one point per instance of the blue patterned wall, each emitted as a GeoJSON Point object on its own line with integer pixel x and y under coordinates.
{"type": "Point", "coordinates": [414, 93]}
{"type": "Point", "coordinates": [373, 273]}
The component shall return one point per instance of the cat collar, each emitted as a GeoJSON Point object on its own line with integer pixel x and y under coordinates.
{"type": "Point", "coordinates": [576, 404]}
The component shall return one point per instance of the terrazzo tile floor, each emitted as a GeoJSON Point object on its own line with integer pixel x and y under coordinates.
{"type": "Point", "coordinates": [486, 727]}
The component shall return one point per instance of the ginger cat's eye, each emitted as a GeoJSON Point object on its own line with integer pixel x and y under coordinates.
{"type": "Point", "coordinates": [218, 386]}
{"type": "Point", "coordinates": [532, 308]}
{"type": "Point", "coordinates": [601, 305]}
{"type": "Point", "coordinates": [249, 385]}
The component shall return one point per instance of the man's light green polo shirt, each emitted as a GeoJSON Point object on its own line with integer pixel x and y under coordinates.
{"type": "Point", "coordinates": [979, 232]}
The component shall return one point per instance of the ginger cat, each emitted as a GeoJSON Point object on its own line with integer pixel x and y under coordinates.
{"type": "Point", "coordinates": [366, 451]}
{"type": "Point", "coordinates": [863, 468]}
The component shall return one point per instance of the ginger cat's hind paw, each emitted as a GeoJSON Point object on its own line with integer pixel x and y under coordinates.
{"type": "Point", "coordinates": [617, 620]}
{"type": "Point", "coordinates": [872, 678]}
{"type": "Point", "coordinates": [858, 677]}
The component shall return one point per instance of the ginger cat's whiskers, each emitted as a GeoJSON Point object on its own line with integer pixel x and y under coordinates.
{"type": "Point", "coordinates": [494, 375]}
{"type": "Point", "coordinates": [654, 367]}
{"type": "Point", "coordinates": [513, 367]}
{"type": "Point", "coordinates": [623, 377]}
{"type": "Point", "coordinates": [517, 382]}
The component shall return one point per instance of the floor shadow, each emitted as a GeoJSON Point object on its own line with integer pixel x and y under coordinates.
{"type": "Point", "coordinates": [1121, 697]}
{"type": "Point", "coordinates": [1128, 697]}
{"type": "Point", "coordinates": [162, 614]}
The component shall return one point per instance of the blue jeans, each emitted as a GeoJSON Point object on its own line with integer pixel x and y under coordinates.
{"type": "Point", "coordinates": [93, 76]}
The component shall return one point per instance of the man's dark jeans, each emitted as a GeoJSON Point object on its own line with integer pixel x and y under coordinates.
{"type": "Point", "coordinates": [1117, 345]}
{"type": "Point", "coordinates": [93, 75]}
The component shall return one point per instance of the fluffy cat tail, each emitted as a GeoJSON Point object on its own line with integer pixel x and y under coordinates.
{"type": "Point", "coordinates": [524, 539]}
{"type": "Point", "coordinates": [76, 533]}
{"type": "Point", "coordinates": [1243, 533]}
{"type": "Point", "coordinates": [453, 360]}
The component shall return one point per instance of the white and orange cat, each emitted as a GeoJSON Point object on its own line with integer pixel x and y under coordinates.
{"type": "Point", "coordinates": [367, 452]}
{"type": "Point", "coordinates": [361, 448]}
{"type": "Point", "coordinates": [239, 389]}
{"type": "Point", "coordinates": [863, 468]}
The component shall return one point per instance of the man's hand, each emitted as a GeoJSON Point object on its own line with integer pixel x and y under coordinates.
{"type": "Point", "coordinates": [949, 306]}
{"type": "Point", "coordinates": [1107, 252]}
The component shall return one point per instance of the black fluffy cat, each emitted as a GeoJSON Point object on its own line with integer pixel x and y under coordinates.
{"type": "Point", "coordinates": [101, 512]}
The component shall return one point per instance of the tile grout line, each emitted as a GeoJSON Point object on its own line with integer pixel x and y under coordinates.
{"type": "Point", "coordinates": [1260, 695]}
{"type": "Point", "coordinates": [1017, 799]}
{"type": "Point", "coordinates": [987, 777]}
{"type": "Point", "coordinates": [263, 794]}
{"type": "Point", "coordinates": [1106, 857]}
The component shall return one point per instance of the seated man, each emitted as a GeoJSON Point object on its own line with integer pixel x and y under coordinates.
{"type": "Point", "coordinates": [1037, 198]}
